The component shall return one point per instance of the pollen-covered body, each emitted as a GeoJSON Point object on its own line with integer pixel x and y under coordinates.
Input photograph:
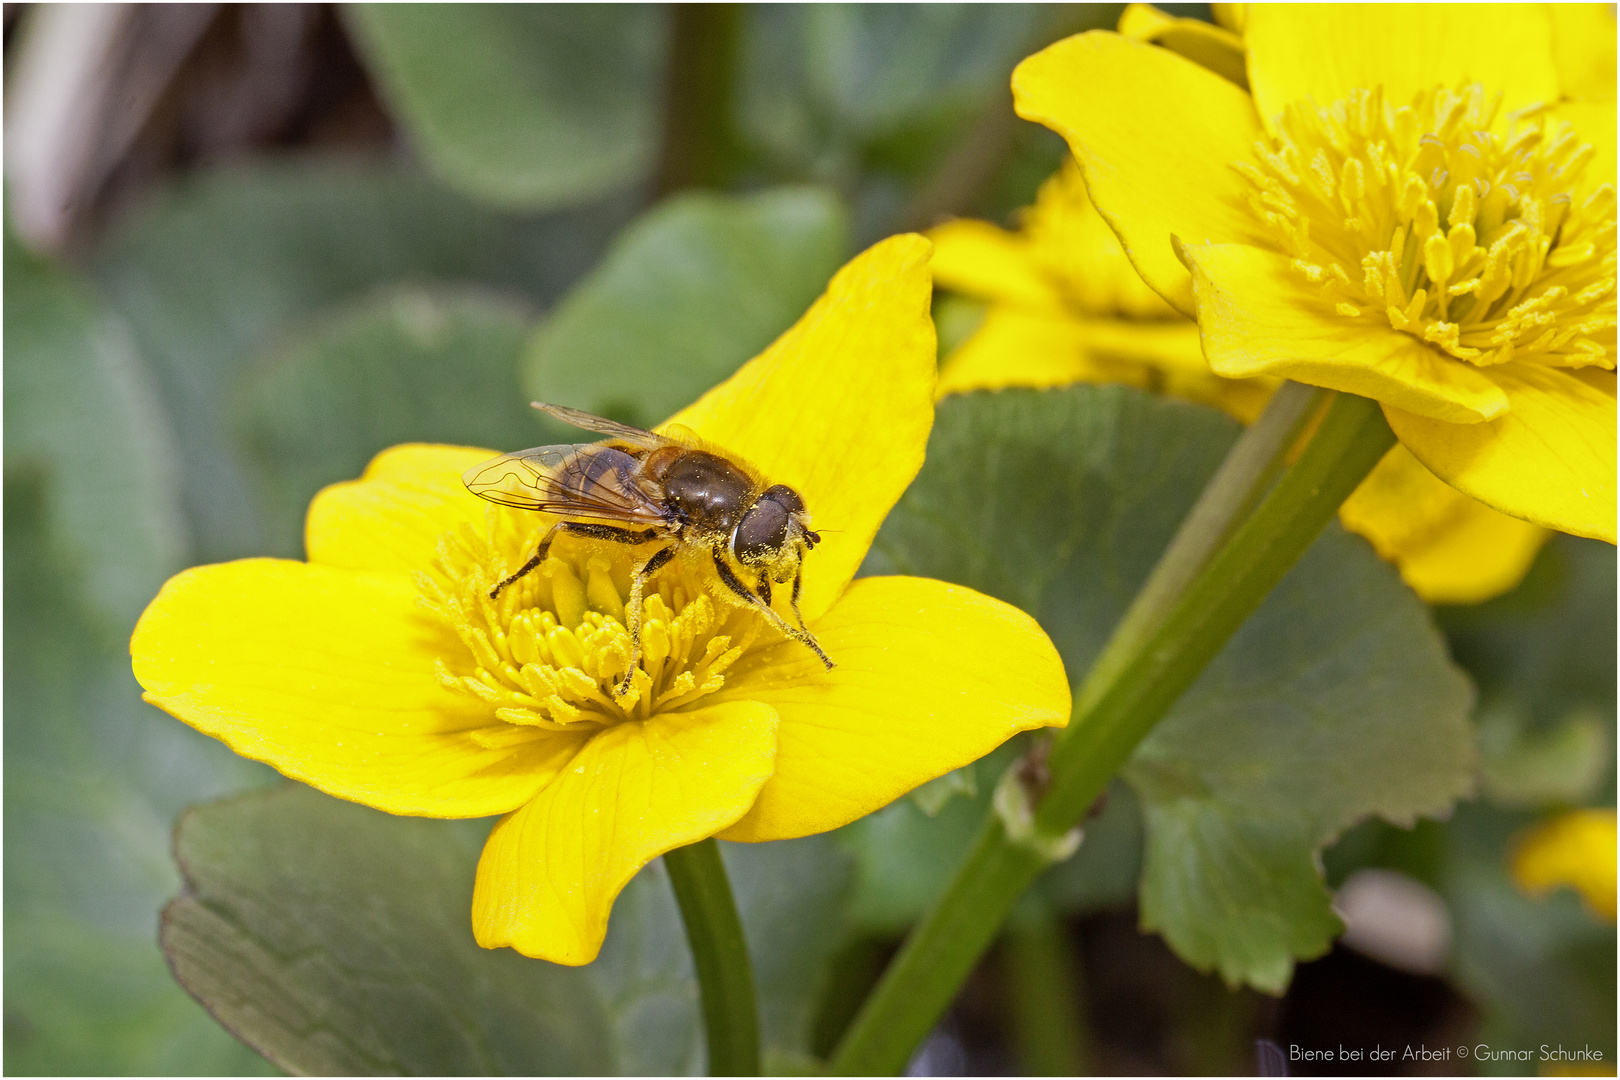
{"type": "Point", "coordinates": [671, 495]}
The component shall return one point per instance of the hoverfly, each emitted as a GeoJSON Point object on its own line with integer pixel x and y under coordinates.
{"type": "Point", "coordinates": [640, 488]}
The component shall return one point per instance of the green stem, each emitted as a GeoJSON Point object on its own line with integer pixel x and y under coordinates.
{"type": "Point", "coordinates": [1244, 476]}
{"type": "Point", "coordinates": [1117, 706]}
{"type": "Point", "coordinates": [720, 955]}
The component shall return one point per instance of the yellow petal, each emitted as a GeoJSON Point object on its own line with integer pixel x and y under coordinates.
{"type": "Point", "coordinates": [1549, 460]}
{"type": "Point", "coordinates": [1014, 347]}
{"type": "Point", "coordinates": [391, 518]}
{"type": "Point", "coordinates": [1324, 51]}
{"type": "Point", "coordinates": [551, 870]}
{"type": "Point", "coordinates": [1576, 849]}
{"type": "Point", "coordinates": [1018, 347]}
{"type": "Point", "coordinates": [1155, 136]}
{"type": "Point", "coordinates": [839, 407]}
{"type": "Point", "coordinates": [1594, 122]}
{"type": "Point", "coordinates": [1450, 549]}
{"type": "Point", "coordinates": [930, 676]}
{"type": "Point", "coordinates": [328, 675]}
{"type": "Point", "coordinates": [1233, 17]}
{"type": "Point", "coordinates": [1261, 318]}
{"type": "Point", "coordinates": [1583, 50]}
{"type": "Point", "coordinates": [1215, 48]}
{"type": "Point", "coordinates": [978, 259]}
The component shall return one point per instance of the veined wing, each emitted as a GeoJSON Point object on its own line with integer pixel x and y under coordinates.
{"type": "Point", "coordinates": [603, 426]}
{"type": "Point", "coordinates": [584, 480]}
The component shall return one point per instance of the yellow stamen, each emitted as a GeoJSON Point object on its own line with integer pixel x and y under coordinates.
{"type": "Point", "coordinates": [549, 652]}
{"type": "Point", "coordinates": [1519, 271]}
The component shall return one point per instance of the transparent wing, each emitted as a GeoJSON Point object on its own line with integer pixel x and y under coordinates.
{"type": "Point", "coordinates": [583, 480]}
{"type": "Point", "coordinates": [602, 426]}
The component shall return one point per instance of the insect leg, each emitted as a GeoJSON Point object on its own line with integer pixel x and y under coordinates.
{"type": "Point", "coordinates": [578, 528]}
{"type": "Point", "coordinates": [632, 612]}
{"type": "Point", "coordinates": [802, 636]}
{"type": "Point", "coordinates": [798, 582]}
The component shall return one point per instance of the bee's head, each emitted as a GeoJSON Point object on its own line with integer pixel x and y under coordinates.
{"type": "Point", "coordinates": [773, 532]}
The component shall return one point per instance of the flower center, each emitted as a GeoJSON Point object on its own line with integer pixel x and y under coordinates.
{"type": "Point", "coordinates": [1425, 217]}
{"type": "Point", "coordinates": [548, 652]}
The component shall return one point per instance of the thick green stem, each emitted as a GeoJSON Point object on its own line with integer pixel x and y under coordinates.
{"type": "Point", "coordinates": [1245, 475]}
{"type": "Point", "coordinates": [1119, 703]}
{"type": "Point", "coordinates": [720, 955]}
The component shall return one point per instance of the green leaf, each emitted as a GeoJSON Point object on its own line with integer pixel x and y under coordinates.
{"type": "Point", "coordinates": [407, 365]}
{"type": "Point", "coordinates": [216, 267]}
{"type": "Point", "coordinates": [686, 296]}
{"type": "Point", "coordinates": [336, 939]}
{"type": "Point", "coordinates": [1538, 970]}
{"type": "Point", "coordinates": [822, 84]}
{"type": "Point", "coordinates": [1547, 649]}
{"type": "Point", "coordinates": [80, 410]}
{"type": "Point", "coordinates": [1334, 702]}
{"type": "Point", "coordinates": [522, 106]}
{"type": "Point", "coordinates": [905, 855]}
{"type": "Point", "coordinates": [792, 896]}
{"type": "Point", "coordinates": [93, 778]}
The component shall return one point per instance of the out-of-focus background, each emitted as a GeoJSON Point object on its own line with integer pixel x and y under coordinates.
{"type": "Point", "coordinates": [248, 246]}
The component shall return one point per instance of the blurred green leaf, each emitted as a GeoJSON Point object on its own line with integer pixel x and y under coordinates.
{"type": "Point", "coordinates": [337, 939]}
{"type": "Point", "coordinates": [1548, 647]}
{"type": "Point", "coordinates": [1335, 701]}
{"type": "Point", "coordinates": [80, 409]}
{"type": "Point", "coordinates": [822, 84]}
{"type": "Point", "coordinates": [93, 777]}
{"type": "Point", "coordinates": [209, 273]}
{"type": "Point", "coordinates": [686, 296]}
{"type": "Point", "coordinates": [406, 365]}
{"type": "Point", "coordinates": [793, 896]}
{"type": "Point", "coordinates": [1540, 971]}
{"type": "Point", "coordinates": [905, 856]}
{"type": "Point", "coordinates": [1545, 765]}
{"type": "Point", "coordinates": [522, 106]}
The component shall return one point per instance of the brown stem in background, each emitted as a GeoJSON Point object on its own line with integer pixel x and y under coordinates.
{"type": "Point", "coordinates": [698, 146]}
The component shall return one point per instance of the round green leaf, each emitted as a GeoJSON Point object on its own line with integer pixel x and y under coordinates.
{"type": "Point", "coordinates": [688, 294]}
{"type": "Point", "coordinates": [1334, 702]}
{"type": "Point", "coordinates": [215, 268]}
{"type": "Point", "coordinates": [522, 106]}
{"type": "Point", "coordinates": [405, 365]}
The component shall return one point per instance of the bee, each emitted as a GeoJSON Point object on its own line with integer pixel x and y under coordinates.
{"type": "Point", "coordinates": [639, 488]}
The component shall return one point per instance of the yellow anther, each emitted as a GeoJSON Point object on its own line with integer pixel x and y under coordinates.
{"type": "Point", "coordinates": [1380, 179]}
{"type": "Point", "coordinates": [601, 593]}
{"type": "Point", "coordinates": [567, 594]}
{"type": "Point", "coordinates": [565, 648]}
{"type": "Point", "coordinates": [1437, 260]}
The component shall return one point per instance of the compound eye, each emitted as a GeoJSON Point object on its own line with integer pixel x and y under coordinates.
{"type": "Point", "coordinates": [762, 530]}
{"type": "Point", "coordinates": [781, 493]}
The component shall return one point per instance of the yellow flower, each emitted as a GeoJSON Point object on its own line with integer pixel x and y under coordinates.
{"type": "Point", "coordinates": [379, 671]}
{"type": "Point", "coordinates": [1576, 849]}
{"type": "Point", "coordinates": [1400, 209]}
{"type": "Point", "coordinates": [1065, 305]}
{"type": "Point", "coordinates": [1584, 50]}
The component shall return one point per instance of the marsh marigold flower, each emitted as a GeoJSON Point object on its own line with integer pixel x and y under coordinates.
{"type": "Point", "coordinates": [1064, 305]}
{"type": "Point", "coordinates": [1399, 206]}
{"type": "Point", "coordinates": [1574, 850]}
{"type": "Point", "coordinates": [380, 671]}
